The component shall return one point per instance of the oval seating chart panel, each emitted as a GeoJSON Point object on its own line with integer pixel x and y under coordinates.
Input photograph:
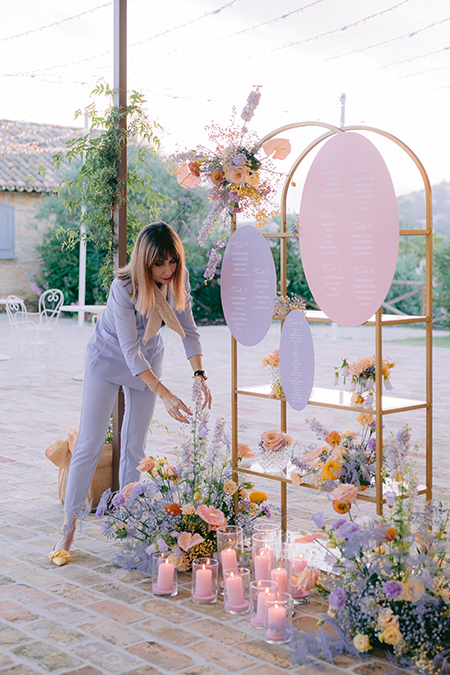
{"type": "Point", "coordinates": [349, 229]}
{"type": "Point", "coordinates": [248, 285]}
{"type": "Point", "coordinates": [297, 360]}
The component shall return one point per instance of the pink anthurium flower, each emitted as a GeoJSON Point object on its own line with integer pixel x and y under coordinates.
{"type": "Point", "coordinates": [214, 517]}
{"type": "Point", "coordinates": [307, 539]}
{"type": "Point", "coordinates": [279, 146]}
{"type": "Point", "coordinates": [185, 178]}
{"type": "Point", "coordinates": [186, 540]}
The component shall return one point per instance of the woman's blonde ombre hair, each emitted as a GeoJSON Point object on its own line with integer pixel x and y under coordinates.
{"type": "Point", "coordinates": [155, 243]}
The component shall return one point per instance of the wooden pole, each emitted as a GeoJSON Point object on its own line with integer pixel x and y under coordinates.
{"type": "Point", "coordinates": [120, 209]}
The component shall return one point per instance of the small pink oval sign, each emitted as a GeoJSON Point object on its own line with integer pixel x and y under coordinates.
{"type": "Point", "coordinates": [349, 229]}
{"type": "Point", "coordinates": [297, 360]}
{"type": "Point", "coordinates": [248, 285]}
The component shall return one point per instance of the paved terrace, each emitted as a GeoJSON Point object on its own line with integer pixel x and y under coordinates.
{"type": "Point", "coordinates": [92, 618]}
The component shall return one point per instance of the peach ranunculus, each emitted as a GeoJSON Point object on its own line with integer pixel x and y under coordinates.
{"type": "Point", "coordinates": [413, 589]}
{"type": "Point", "coordinates": [272, 359]}
{"type": "Point", "coordinates": [338, 452]}
{"type": "Point", "coordinates": [185, 178]}
{"type": "Point", "coordinates": [253, 178]}
{"type": "Point", "coordinates": [273, 439]}
{"type": "Point", "coordinates": [296, 478]}
{"type": "Point", "coordinates": [333, 438]}
{"type": "Point", "coordinates": [236, 174]}
{"type": "Point", "coordinates": [187, 540]}
{"type": "Point", "coordinates": [214, 517]}
{"type": "Point", "coordinates": [229, 486]}
{"type": "Point", "coordinates": [306, 579]}
{"type": "Point", "coordinates": [146, 464]}
{"type": "Point", "coordinates": [364, 418]}
{"type": "Point", "coordinates": [344, 494]}
{"type": "Point", "coordinates": [281, 147]}
{"type": "Point", "coordinates": [245, 451]}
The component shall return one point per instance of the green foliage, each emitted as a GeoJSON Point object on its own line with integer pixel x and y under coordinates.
{"type": "Point", "coordinates": [96, 183]}
{"type": "Point", "coordinates": [442, 274]}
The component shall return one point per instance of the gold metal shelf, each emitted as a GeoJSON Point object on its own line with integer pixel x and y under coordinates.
{"type": "Point", "coordinates": [337, 398]}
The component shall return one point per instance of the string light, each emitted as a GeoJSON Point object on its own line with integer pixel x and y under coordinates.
{"type": "Point", "coordinates": [385, 42]}
{"type": "Point", "coordinates": [413, 58]}
{"type": "Point", "coordinates": [56, 23]}
{"type": "Point", "coordinates": [422, 72]}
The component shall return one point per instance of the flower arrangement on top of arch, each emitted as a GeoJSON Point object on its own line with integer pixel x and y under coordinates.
{"type": "Point", "coordinates": [238, 176]}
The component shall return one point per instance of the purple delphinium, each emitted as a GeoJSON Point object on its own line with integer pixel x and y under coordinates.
{"type": "Point", "coordinates": [251, 105]}
{"type": "Point", "coordinates": [392, 589]}
{"type": "Point", "coordinates": [337, 598]}
{"type": "Point", "coordinates": [214, 259]}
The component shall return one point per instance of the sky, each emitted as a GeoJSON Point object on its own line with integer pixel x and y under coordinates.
{"type": "Point", "coordinates": [194, 60]}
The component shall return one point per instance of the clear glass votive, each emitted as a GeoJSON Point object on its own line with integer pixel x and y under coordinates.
{"type": "Point", "coordinates": [230, 548]}
{"type": "Point", "coordinates": [264, 554]}
{"type": "Point", "coordinates": [164, 574]}
{"type": "Point", "coordinates": [260, 591]}
{"type": "Point", "coordinates": [205, 573]}
{"type": "Point", "coordinates": [297, 564]}
{"type": "Point", "coordinates": [278, 619]}
{"type": "Point", "coordinates": [237, 591]}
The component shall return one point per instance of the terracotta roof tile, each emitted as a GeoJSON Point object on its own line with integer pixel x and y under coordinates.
{"type": "Point", "coordinates": [24, 147]}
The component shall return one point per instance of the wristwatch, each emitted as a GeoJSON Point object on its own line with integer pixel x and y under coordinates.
{"type": "Point", "coordinates": [202, 373]}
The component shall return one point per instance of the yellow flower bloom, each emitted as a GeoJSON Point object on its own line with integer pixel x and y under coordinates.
{"type": "Point", "coordinates": [188, 509]}
{"type": "Point", "coordinates": [361, 642]}
{"type": "Point", "coordinates": [229, 486]}
{"type": "Point", "coordinates": [257, 496]}
{"type": "Point", "coordinates": [387, 618]}
{"type": "Point", "coordinates": [332, 469]}
{"type": "Point", "coordinates": [413, 589]}
{"type": "Point", "coordinates": [391, 635]}
{"type": "Point", "coordinates": [364, 419]}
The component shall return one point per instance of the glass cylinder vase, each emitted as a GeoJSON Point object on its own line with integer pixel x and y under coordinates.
{"type": "Point", "coordinates": [205, 581]}
{"type": "Point", "coordinates": [230, 548]}
{"type": "Point", "coordinates": [237, 591]}
{"type": "Point", "coordinates": [164, 574]}
{"type": "Point", "coordinates": [278, 619]}
{"type": "Point", "coordinates": [260, 591]}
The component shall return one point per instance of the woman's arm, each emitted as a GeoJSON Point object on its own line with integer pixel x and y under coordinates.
{"type": "Point", "coordinates": [172, 403]}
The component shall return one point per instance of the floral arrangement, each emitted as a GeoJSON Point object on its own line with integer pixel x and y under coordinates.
{"type": "Point", "coordinates": [272, 360]}
{"type": "Point", "coordinates": [346, 457]}
{"type": "Point", "coordinates": [362, 377]}
{"type": "Point", "coordinates": [178, 507]}
{"type": "Point", "coordinates": [274, 450]}
{"type": "Point", "coordinates": [286, 303]}
{"type": "Point", "coordinates": [391, 583]}
{"type": "Point", "coordinates": [237, 177]}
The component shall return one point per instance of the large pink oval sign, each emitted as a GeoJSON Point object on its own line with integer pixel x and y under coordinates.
{"type": "Point", "coordinates": [296, 360]}
{"type": "Point", "coordinates": [348, 229]}
{"type": "Point", "coordinates": [248, 285]}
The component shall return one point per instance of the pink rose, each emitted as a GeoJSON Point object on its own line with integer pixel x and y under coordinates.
{"type": "Point", "coordinates": [279, 146]}
{"type": "Point", "coordinates": [344, 494]}
{"type": "Point", "coordinates": [273, 440]}
{"type": "Point", "coordinates": [244, 450]}
{"type": "Point", "coordinates": [146, 464]}
{"type": "Point", "coordinates": [236, 174]}
{"type": "Point", "coordinates": [307, 579]}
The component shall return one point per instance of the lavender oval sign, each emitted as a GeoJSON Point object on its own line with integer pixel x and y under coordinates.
{"type": "Point", "coordinates": [248, 285]}
{"type": "Point", "coordinates": [348, 228]}
{"type": "Point", "coordinates": [297, 360]}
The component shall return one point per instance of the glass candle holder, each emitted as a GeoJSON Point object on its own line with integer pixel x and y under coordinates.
{"type": "Point", "coordinates": [264, 553]}
{"type": "Point", "coordinates": [278, 619]}
{"type": "Point", "coordinates": [205, 573]}
{"type": "Point", "coordinates": [237, 591]}
{"type": "Point", "coordinates": [270, 529]}
{"type": "Point", "coordinates": [280, 574]}
{"type": "Point", "coordinates": [260, 591]}
{"type": "Point", "coordinates": [164, 574]}
{"type": "Point", "coordinates": [230, 548]}
{"type": "Point", "coordinates": [297, 564]}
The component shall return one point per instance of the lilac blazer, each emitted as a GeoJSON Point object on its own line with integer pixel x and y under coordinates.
{"type": "Point", "coordinates": [115, 351]}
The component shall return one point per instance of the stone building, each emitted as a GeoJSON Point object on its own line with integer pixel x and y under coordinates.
{"type": "Point", "coordinates": [24, 148]}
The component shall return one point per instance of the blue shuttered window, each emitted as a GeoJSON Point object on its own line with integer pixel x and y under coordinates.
{"type": "Point", "coordinates": [6, 231]}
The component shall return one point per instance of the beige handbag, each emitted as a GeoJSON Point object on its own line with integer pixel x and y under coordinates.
{"type": "Point", "coordinates": [60, 453]}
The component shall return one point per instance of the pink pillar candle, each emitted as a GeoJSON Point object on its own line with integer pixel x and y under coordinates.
{"type": "Point", "coordinates": [165, 576]}
{"type": "Point", "coordinates": [229, 559]}
{"type": "Point", "coordinates": [276, 621]}
{"type": "Point", "coordinates": [203, 582]}
{"type": "Point", "coordinates": [262, 597]}
{"type": "Point", "coordinates": [262, 566]}
{"type": "Point", "coordinates": [235, 590]}
{"type": "Point", "coordinates": [280, 576]}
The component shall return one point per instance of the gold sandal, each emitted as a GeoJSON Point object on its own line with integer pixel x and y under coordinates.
{"type": "Point", "coordinates": [59, 557]}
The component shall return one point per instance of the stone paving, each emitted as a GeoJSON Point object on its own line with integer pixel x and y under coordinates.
{"type": "Point", "coordinates": [90, 617]}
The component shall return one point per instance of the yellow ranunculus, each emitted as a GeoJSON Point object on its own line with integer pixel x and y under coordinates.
{"type": "Point", "coordinates": [391, 635]}
{"type": "Point", "coordinates": [332, 469]}
{"type": "Point", "coordinates": [362, 642]}
{"type": "Point", "coordinates": [257, 496]}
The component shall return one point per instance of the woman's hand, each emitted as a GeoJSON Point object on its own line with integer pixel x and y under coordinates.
{"type": "Point", "coordinates": [172, 403]}
{"type": "Point", "coordinates": [206, 391]}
